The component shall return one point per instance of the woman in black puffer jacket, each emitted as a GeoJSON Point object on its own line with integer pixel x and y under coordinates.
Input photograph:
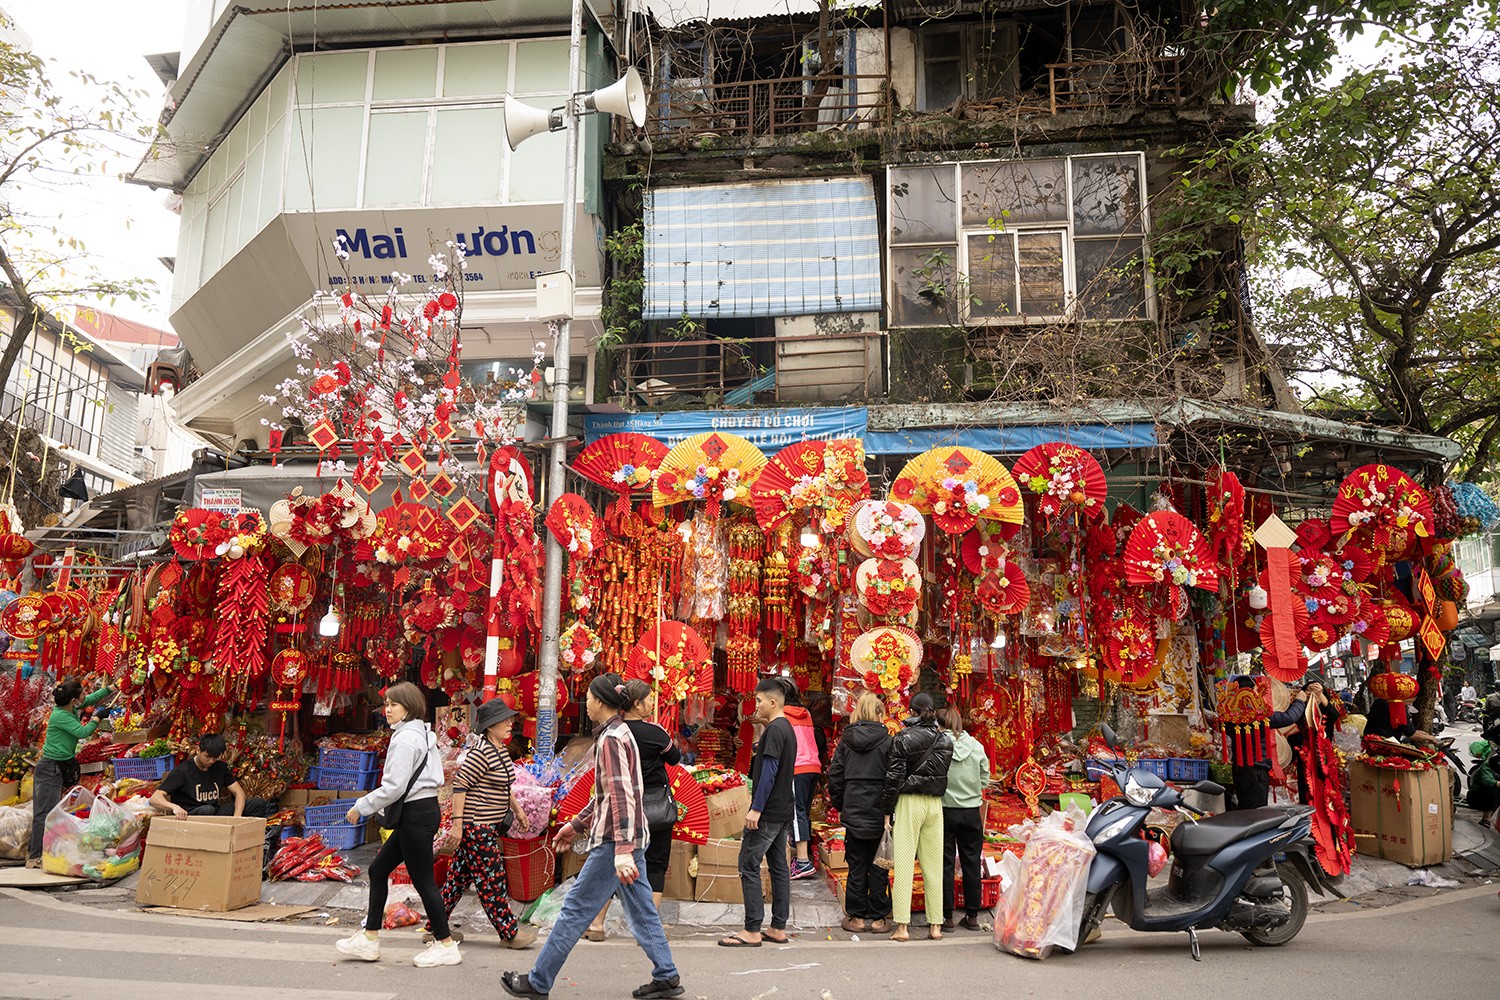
{"type": "Point", "coordinates": [856, 787]}
{"type": "Point", "coordinates": [915, 779]}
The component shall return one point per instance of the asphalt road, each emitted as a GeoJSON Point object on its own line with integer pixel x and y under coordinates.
{"type": "Point", "coordinates": [1442, 946]}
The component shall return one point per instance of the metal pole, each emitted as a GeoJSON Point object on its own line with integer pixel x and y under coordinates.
{"type": "Point", "coordinates": [546, 696]}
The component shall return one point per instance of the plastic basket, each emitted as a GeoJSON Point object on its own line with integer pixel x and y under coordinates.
{"type": "Point", "coordinates": [1156, 765]}
{"type": "Point", "coordinates": [1187, 769]}
{"type": "Point", "coordinates": [529, 867]}
{"type": "Point", "coordinates": [1098, 768]}
{"type": "Point", "coordinates": [331, 814]}
{"type": "Point", "coordinates": [143, 768]}
{"type": "Point", "coordinates": [348, 760]}
{"type": "Point", "coordinates": [339, 836]}
{"type": "Point", "coordinates": [989, 893]}
{"type": "Point", "coordinates": [338, 779]}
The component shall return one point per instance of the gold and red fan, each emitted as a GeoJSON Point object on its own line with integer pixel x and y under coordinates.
{"type": "Point", "coordinates": [621, 462]}
{"type": "Point", "coordinates": [575, 525]}
{"type": "Point", "coordinates": [1383, 508]}
{"type": "Point", "coordinates": [959, 487]}
{"type": "Point", "coordinates": [1165, 547]}
{"type": "Point", "coordinates": [672, 658]}
{"type": "Point", "coordinates": [1064, 479]}
{"type": "Point", "coordinates": [810, 475]}
{"type": "Point", "coordinates": [714, 468]}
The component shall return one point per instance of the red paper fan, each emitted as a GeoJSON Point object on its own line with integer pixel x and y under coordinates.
{"type": "Point", "coordinates": [1063, 478]}
{"type": "Point", "coordinates": [1372, 625]}
{"type": "Point", "coordinates": [1382, 506]}
{"type": "Point", "coordinates": [810, 474]}
{"type": "Point", "coordinates": [959, 487]}
{"type": "Point", "coordinates": [575, 525]}
{"type": "Point", "coordinates": [1226, 517]}
{"type": "Point", "coordinates": [621, 462]}
{"type": "Point", "coordinates": [1287, 673]}
{"type": "Point", "coordinates": [985, 541]}
{"type": "Point", "coordinates": [1313, 534]}
{"type": "Point", "coordinates": [1003, 592]}
{"type": "Point", "coordinates": [672, 658]}
{"type": "Point", "coordinates": [1165, 547]}
{"type": "Point", "coordinates": [692, 806]}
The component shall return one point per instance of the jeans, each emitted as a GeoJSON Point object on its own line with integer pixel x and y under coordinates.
{"type": "Point", "coordinates": [767, 841]}
{"type": "Point", "coordinates": [596, 883]}
{"type": "Point", "coordinates": [867, 895]}
{"type": "Point", "coordinates": [410, 842]}
{"type": "Point", "coordinates": [963, 833]}
{"type": "Point", "coordinates": [803, 786]}
{"type": "Point", "coordinates": [49, 780]}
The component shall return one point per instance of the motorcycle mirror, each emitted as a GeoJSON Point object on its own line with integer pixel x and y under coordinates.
{"type": "Point", "coordinates": [1209, 788]}
{"type": "Point", "coordinates": [1110, 739]}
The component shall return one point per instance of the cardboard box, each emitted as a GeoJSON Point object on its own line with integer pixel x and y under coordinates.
{"type": "Point", "coordinates": [721, 852]}
{"type": "Point", "coordinates": [299, 798]}
{"type": "Point", "coordinates": [570, 863]}
{"type": "Point", "coordinates": [722, 885]}
{"type": "Point", "coordinates": [680, 881]}
{"type": "Point", "coordinates": [1402, 816]}
{"type": "Point", "coordinates": [202, 863]}
{"type": "Point", "coordinates": [726, 813]}
{"type": "Point", "coordinates": [832, 859]}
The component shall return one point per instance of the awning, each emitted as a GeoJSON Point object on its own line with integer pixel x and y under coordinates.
{"type": "Point", "coordinates": [766, 248]}
{"type": "Point", "coordinates": [1010, 440]}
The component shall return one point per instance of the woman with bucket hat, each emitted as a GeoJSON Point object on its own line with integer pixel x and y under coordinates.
{"type": "Point", "coordinates": [481, 816]}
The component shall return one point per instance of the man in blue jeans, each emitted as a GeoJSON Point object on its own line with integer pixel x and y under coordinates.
{"type": "Point", "coordinates": [768, 824]}
{"type": "Point", "coordinates": [615, 819]}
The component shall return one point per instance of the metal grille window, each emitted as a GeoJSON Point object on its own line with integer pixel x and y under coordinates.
{"type": "Point", "coordinates": [1012, 241]}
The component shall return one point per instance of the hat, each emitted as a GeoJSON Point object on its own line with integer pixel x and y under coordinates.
{"type": "Point", "coordinates": [491, 712]}
{"type": "Point", "coordinates": [1479, 748]}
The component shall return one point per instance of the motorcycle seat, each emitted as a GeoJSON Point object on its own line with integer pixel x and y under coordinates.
{"type": "Point", "coordinates": [1213, 834]}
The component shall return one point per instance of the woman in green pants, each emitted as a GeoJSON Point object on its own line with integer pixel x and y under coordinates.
{"type": "Point", "coordinates": [915, 780]}
{"type": "Point", "coordinates": [57, 769]}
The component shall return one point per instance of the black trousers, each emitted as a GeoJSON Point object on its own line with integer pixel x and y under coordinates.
{"type": "Point", "coordinates": [963, 834]}
{"type": "Point", "coordinates": [412, 843]}
{"type": "Point", "coordinates": [260, 808]}
{"type": "Point", "coordinates": [867, 894]}
{"type": "Point", "coordinates": [1252, 787]}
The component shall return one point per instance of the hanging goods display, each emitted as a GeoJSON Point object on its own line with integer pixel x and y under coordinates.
{"type": "Point", "coordinates": [621, 463]}
{"type": "Point", "coordinates": [959, 487]}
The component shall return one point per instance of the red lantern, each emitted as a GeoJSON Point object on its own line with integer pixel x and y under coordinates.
{"type": "Point", "coordinates": [511, 660]}
{"type": "Point", "coordinates": [526, 700]}
{"type": "Point", "coordinates": [1395, 690]}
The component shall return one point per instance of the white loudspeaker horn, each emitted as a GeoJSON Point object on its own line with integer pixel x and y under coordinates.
{"type": "Point", "coordinates": [522, 121]}
{"type": "Point", "coordinates": [625, 97]}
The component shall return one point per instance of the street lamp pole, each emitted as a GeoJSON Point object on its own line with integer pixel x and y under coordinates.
{"type": "Point", "coordinates": [546, 698]}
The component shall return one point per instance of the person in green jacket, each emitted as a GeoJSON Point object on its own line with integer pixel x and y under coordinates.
{"type": "Point", "coordinates": [57, 768]}
{"type": "Point", "coordinates": [1484, 782]}
{"type": "Point", "coordinates": [963, 819]}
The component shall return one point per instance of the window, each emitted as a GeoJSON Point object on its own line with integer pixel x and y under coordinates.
{"type": "Point", "coordinates": [1007, 241]}
{"type": "Point", "coordinates": [976, 62]}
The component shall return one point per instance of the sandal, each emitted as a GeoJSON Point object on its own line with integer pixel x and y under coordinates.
{"type": "Point", "coordinates": [854, 926]}
{"type": "Point", "coordinates": [900, 933]}
{"type": "Point", "coordinates": [594, 934]}
{"type": "Point", "coordinates": [735, 941]}
{"type": "Point", "coordinates": [934, 933]}
{"type": "Point", "coordinates": [881, 926]}
{"type": "Point", "coordinates": [784, 939]}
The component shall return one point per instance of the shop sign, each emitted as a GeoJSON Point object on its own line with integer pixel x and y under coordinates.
{"type": "Point", "coordinates": [769, 430]}
{"type": "Point", "coordinates": [221, 500]}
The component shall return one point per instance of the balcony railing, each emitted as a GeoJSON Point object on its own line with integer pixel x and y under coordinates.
{"type": "Point", "coordinates": [734, 371]}
{"type": "Point", "coordinates": [756, 108]}
{"type": "Point", "coordinates": [1113, 83]}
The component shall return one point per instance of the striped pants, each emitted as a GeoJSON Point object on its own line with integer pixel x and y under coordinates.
{"type": "Point", "coordinates": [917, 835]}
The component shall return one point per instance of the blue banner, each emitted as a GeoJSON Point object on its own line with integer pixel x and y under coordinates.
{"type": "Point", "coordinates": [768, 430]}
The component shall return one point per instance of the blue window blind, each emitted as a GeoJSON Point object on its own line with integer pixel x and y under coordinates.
{"type": "Point", "coordinates": [766, 248]}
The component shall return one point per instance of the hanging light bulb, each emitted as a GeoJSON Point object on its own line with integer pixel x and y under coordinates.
{"type": "Point", "coordinates": [328, 625]}
{"type": "Point", "coordinates": [999, 641]}
{"type": "Point", "coordinates": [810, 539]}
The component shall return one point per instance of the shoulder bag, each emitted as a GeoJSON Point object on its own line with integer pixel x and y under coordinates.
{"type": "Point", "coordinates": [390, 817]}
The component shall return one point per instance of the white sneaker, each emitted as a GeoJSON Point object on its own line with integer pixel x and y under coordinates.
{"type": "Point", "coordinates": [359, 947]}
{"type": "Point", "coordinates": [437, 953]}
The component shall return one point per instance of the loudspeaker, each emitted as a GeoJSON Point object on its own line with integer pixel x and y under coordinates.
{"type": "Point", "coordinates": [626, 97]}
{"type": "Point", "coordinates": [522, 121]}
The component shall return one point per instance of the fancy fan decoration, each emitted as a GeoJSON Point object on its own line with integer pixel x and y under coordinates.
{"type": "Point", "coordinates": [1383, 509]}
{"type": "Point", "coordinates": [815, 477]}
{"type": "Point", "coordinates": [675, 661]}
{"type": "Point", "coordinates": [1286, 664]}
{"type": "Point", "coordinates": [575, 525]}
{"type": "Point", "coordinates": [714, 468]}
{"type": "Point", "coordinates": [623, 463]}
{"type": "Point", "coordinates": [889, 589]}
{"type": "Point", "coordinates": [1166, 549]}
{"type": "Point", "coordinates": [1064, 479]}
{"type": "Point", "coordinates": [302, 522]}
{"type": "Point", "coordinates": [1227, 533]}
{"type": "Point", "coordinates": [887, 659]}
{"type": "Point", "coordinates": [887, 529]}
{"type": "Point", "coordinates": [959, 487]}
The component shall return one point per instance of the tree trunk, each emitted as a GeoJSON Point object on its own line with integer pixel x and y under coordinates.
{"type": "Point", "coordinates": [28, 314]}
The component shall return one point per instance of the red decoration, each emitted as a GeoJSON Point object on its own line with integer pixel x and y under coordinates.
{"type": "Point", "coordinates": [1064, 479]}
{"type": "Point", "coordinates": [1395, 690]}
{"type": "Point", "coordinates": [622, 463]}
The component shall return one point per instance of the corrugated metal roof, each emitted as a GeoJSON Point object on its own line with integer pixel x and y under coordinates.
{"type": "Point", "coordinates": [673, 13]}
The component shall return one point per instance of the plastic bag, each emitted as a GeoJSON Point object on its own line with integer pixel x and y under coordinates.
{"type": "Point", "coordinates": [91, 837]}
{"type": "Point", "coordinates": [543, 912]}
{"type": "Point", "coordinates": [400, 915]}
{"type": "Point", "coordinates": [1042, 904]}
{"type": "Point", "coordinates": [885, 855]}
{"type": "Point", "coordinates": [15, 831]}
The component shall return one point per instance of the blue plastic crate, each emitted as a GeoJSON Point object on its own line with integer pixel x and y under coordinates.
{"type": "Point", "coordinates": [1187, 769]}
{"type": "Point", "coordinates": [338, 779]}
{"type": "Point", "coordinates": [143, 768]}
{"type": "Point", "coordinates": [1097, 768]}
{"type": "Point", "coordinates": [348, 760]}
{"type": "Point", "coordinates": [1156, 765]}
{"type": "Point", "coordinates": [332, 813]}
{"type": "Point", "coordinates": [339, 836]}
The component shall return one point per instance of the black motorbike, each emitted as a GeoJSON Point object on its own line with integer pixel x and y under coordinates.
{"type": "Point", "coordinates": [1246, 871]}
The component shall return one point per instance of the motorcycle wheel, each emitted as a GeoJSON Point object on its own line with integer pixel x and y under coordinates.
{"type": "Point", "coordinates": [1294, 892]}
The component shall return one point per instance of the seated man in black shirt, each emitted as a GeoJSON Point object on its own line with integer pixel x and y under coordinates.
{"type": "Point", "coordinates": [197, 786]}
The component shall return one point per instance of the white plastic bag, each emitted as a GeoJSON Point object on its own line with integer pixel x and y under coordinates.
{"type": "Point", "coordinates": [15, 831]}
{"type": "Point", "coordinates": [1042, 903]}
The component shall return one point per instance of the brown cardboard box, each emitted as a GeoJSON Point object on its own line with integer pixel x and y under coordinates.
{"type": "Point", "coordinates": [722, 853]}
{"type": "Point", "coordinates": [297, 798]}
{"type": "Point", "coordinates": [202, 863]}
{"type": "Point", "coordinates": [716, 884]}
{"type": "Point", "coordinates": [726, 813]}
{"type": "Point", "coordinates": [1402, 816]}
{"type": "Point", "coordinates": [832, 859]}
{"type": "Point", "coordinates": [680, 880]}
{"type": "Point", "coordinates": [570, 863]}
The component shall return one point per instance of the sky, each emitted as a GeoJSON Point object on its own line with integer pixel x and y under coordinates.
{"type": "Point", "coordinates": [126, 227]}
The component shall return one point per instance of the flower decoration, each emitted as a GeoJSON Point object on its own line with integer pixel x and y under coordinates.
{"type": "Point", "coordinates": [889, 588]}
{"type": "Point", "coordinates": [409, 534]}
{"type": "Point", "coordinates": [887, 660]}
{"type": "Point", "coordinates": [826, 477]}
{"type": "Point", "coordinates": [198, 533]}
{"type": "Point", "coordinates": [958, 487]}
{"type": "Point", "coordinates": [714, 468]}
{"type": "Point", "coordinates": [891, 530]}
{"type": "Point", "coordinates": [580, 647]}
{"type": "Point", "coordinates": [623, 463]}
{"type": "Point", "coordinates": [675, 661]}
{"type": "Point", "coordinates": [1383, 508]}
{"type": "Point", "coordinates": [1063, 478]}
{"type": "Point", "coordinates": [302, 521]}
{"type": "Point", "coordinates": [1165, 548]}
